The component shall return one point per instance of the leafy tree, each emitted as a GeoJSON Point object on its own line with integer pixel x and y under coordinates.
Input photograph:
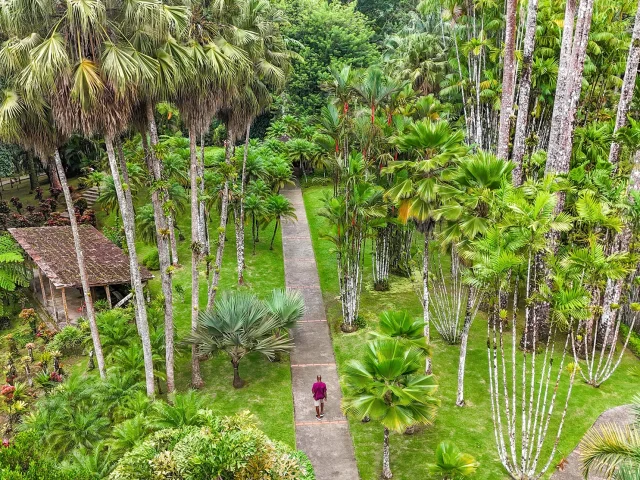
{"type": "Point", "coordinates": [330, 34]}
{"type": "Point", "coordinates": [278, 208]}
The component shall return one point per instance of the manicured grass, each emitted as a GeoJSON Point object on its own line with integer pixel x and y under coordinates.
{"type": "Point", "coordinates": [471, 427]}
{"type": "Point", "coordinates": [267, 393]}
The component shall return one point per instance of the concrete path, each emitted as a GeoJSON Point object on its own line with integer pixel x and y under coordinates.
{"type": "Point", "coordinates": [571, 471]}
{"type": "Point", "coordinates": [327, 442]}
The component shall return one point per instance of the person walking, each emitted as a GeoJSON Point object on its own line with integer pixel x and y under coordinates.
{"type": "Point", "coordinates": [319, 391]}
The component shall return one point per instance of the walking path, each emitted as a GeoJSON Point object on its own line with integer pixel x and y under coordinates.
{"type": "Point", "coordinates": [327, 443]}
{"type": "Point", "coordinates": [620, 416]}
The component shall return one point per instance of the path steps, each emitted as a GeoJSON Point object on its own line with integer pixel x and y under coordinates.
{"type": "Point", "coordinates": [327, 443]}
{"type": "Point", "coordinates": [90, 195]}
{"type": "Point", "coordinates": [620, 416]}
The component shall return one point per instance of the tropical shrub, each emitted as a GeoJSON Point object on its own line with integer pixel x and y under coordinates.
{"type": "Point", "coordinates": [70, 341]}
{"type": "Point", "coordinates": [230, 447]}
{"type": "Point", "coordinates": [152, 260]}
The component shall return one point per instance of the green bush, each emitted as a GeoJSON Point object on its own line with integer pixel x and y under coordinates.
{"type": "Point", "coordinates": [634, 339]}
{"type": "Point", "coordinates": [70, 341]}
{"type": "Point", "coordinates": [229, 447]}
{"type": "Point", "coordinates": [152, 260]}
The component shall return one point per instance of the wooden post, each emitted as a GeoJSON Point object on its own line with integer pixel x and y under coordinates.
{"type": "Point", "coordinates": [108, 292]}
{"type": "Point", "coordinates": [53, 301]}
{"type": "Point", "coordinates": [64, 305]}
{"type": "Point", "coordinates": [44, 295]}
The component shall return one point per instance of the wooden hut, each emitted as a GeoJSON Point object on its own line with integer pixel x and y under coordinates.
{"type": "Point", "coordinates": [56, 283]}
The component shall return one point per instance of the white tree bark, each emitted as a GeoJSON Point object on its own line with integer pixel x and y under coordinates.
{"type": "Point", "coordinates": [162, 232]}
{"type": "Point", "coordinates": [213, 286]}
{"type": "Point", "coordinates": [425, 296]}
{"type": "Point", "coordinates": [196, 251]}
{"type": "Point", "coordinates": [629, 82]}
{"type": "Point", "coordinates": [172, 238]}
{"type": "Point", "coordinates": [84, 279]}
{"type": "Point", "coordinates": [561, 102]}
{"type": "Point", "coordinates": [508, 80]}
{"type": "Point", "coordinates": [240, 220]}
{"type": "Point", "coordinates": [525, 92]}
{"type": "Point", "coordinates": [128, 221]}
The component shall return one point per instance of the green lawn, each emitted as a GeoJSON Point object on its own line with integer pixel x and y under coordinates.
{"type": "Point", "coordinates": [471, 428]}
{"type": "Point", "coordinates": [267, 393]}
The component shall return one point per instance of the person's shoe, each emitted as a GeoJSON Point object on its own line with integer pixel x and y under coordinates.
{"type": "Point", "coordinates": [322, 415]}
{"type": "Point", "coordinates": [317, 417]}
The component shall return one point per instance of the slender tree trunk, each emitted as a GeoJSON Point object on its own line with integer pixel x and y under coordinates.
{"type": "Point", "coordinates": [508, 83]}
{"type": "Point", "coordinates": [237, 381]}
{"type": "Point", "coordinates": [274, 234]}
{"type": "Point", "coordinates": [91, 314]}
{"type": "Point", "coordinates": [626, 94]}
{"type": "Point", "coordinates": [172, 238]}
{"type": "Point", "coordinates": [213, 287]}
{"type": "Point", "coordinates": [54, 181]}
{"type": "Point", "coordinates": [204, 234]}
{"type": "Point", "coordinates": [525, 92]}
{"type": "Point", "coordinates": [425, 295]}
{"type": "Point", "coordinates": [128, 221]}
{"type": "Point", "coordinates": [196, 251]}
{"type": "Point", "coordinates": [468, 319]}
{"type": "Point", "coordinates": [240, 222]}
{"type": "Point", "coordinates": [33, 175]}
{"type": "Point", "coordinates": [561, 102]}
{"type": "Point", "coordinates": [386, 468]}
{"type": "Point", "coordinates": [157, 198]}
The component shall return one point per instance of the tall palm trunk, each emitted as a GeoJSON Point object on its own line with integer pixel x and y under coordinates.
{"type": "Point", "coordinates": [508, 83]}
{"type": "Point", "coordinates": [213, 286]}
{"type": "Point", "coordinates": [386, 467]}
{"type": "Point", "coordinates": [240, 220]}
{"type": "Point", "coordinates": [561, 101]}
{"type": "Point", "coordinates": [158, 196]}
{"type": "Point", "coordinates": [54, 180]}
{"type": "Point", "coordinates": [172, 239]}
{"type": "Point", "coordinates": [204, 234]}
{"type": "Point", "coordinates": [425, 294]}
{"type": "Point", "coordinates": [525, 92]}
{"type": "Point", "coordinates": [33, 175]}
{"type": "Point", "coordinates": [128, 222]}
{"type": "Point", "coordinates": [464, 339]}
{"type": "Point", "coordinates": [196, 251]}
{"type": "Point", "coordinates": [91, 313]}
{"type": "Point", "coordinates": [626, 94]}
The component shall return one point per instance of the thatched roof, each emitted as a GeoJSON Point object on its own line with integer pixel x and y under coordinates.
{"type": "Point", "coordinates": [53, 250]}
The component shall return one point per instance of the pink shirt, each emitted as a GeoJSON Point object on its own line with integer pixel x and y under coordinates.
{"type": "Point", "coordinates": [319, 391]}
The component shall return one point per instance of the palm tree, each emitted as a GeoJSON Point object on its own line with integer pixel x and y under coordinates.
{"type": "Point", "coordinates": [452, 464]}
{"type": "Point", "coordinates": [613, 449]}
{"type": "Point", "coordinates": [254, 206]}
{"type": "Point", "coordinates": [278, 208]}
{"type": "Point", "coordinates": [240, 324]}
{"type": "Point", "coordinates": [399, 325]}
{"type": "Point", "coordinates": [388, 386]}
{"type": "Point", "coordinates": [431, 147]}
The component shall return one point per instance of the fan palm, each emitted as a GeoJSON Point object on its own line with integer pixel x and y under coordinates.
{"type": "Point", "coordinates": [277, 208]}
{"type": "Point", "coordinates": [388, 386]}
{"type": "Point", "coordinates": [240, 324]}
{"type": "Point", "coordinates": [613, 449]}
{"type": "Point", "coordinates": [254, 206]}
{"type": "Point", "coordinates": [146, 223]}
{"type": "Point", "coordinates": [451, 463]}
{"type": "Point", "coordinates": [400, 325]}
